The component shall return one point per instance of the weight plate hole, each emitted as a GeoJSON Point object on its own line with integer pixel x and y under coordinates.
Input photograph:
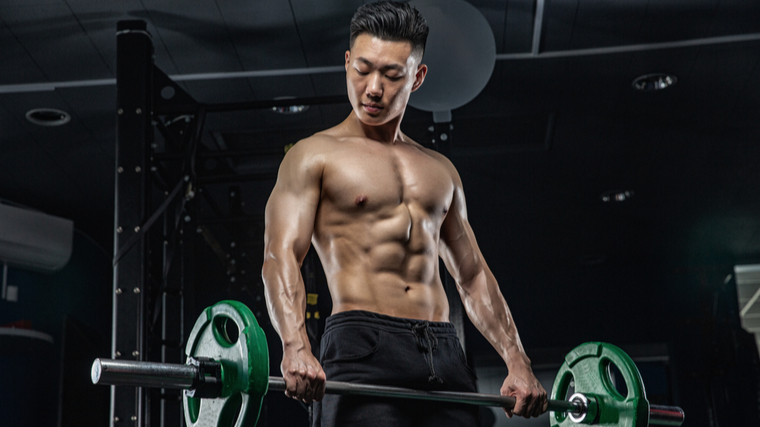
{"type": "Point", "coordinates": [226, 329]}
{"type": "Point", "coordinates": [570, 389]}
{"type": "Point", "coordinates": [565, 389]}
{"type": "Point", "coordinates": [616, 381]}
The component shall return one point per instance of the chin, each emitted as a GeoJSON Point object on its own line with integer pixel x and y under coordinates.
{"type": "Point", "coordinates": [371, 120]}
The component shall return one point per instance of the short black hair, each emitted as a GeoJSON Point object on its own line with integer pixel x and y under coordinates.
{"type": "Point", "coordinates": [393, 21]}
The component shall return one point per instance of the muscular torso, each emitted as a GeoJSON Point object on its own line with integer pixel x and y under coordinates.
{"type": "Point", "coordinates": [378, 224]}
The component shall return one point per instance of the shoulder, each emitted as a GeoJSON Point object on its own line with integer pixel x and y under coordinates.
{"type": "Point", "coordinates": [304, 162]}
{"type": "Point", "coordinates": [443, 161]}
{"type": "Point", "coordinates": [310, 146]}
{"type": "Point", "coordinates": [309, 152]}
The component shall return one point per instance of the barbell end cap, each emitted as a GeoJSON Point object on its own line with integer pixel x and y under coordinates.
{"type": "Point", "coordinates": [666, 415]}
{"type": "Point", "coordinates": [95, 371]}
{"type": "Point", "coordinates": [588, 407]}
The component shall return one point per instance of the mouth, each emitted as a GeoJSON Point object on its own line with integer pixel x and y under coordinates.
{"type": "Point", "coordinates": [372, 108]}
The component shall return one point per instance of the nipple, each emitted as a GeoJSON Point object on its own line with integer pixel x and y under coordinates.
{"type": "Point", "coordinates": [360, 200]}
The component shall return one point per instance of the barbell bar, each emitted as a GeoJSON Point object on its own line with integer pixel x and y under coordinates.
{"type": "Point", "coordinates": [227, 356]}
{"type": "Point", "coordinates": [191, 376]}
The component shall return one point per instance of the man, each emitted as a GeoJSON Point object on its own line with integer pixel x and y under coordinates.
{"type": "Point", "coordinates": [380, 209]}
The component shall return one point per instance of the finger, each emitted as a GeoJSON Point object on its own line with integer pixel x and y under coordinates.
{"type": "Point", "coordinates": [537, 406]}
{"type": "Point", "coordinates": [311, 384]}
{"type": "Point", "coordinates": [293, 383]}
{"type": "Point", "coordinates": [542, 403]}
{"type": "Point", "coordinates": [530, 400]}
{"type": "Point", "coordinates": [308, 394]}
{"type": "Point", "coordinates": [302, 385]}
{"type": "Point", "coordinates": [532, 405]}
{"type": "Point", "coordinates": [527, 409]}
{"type": "Point", "coordinates": [321, 384]}
{"type": "Point", "coordinates": [519, 407]}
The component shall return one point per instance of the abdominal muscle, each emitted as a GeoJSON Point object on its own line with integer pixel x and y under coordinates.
{"type": "Point", "coordinates": [386, 265]}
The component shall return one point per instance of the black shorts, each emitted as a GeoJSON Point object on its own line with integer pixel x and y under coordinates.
{"type": "Point", "coordinates": [370, 348]}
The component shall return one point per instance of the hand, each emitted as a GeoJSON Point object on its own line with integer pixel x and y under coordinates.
{"type": "Point", "coordinates": [530, 396]}
{"type": "Point", "coordinates": [303, 375]}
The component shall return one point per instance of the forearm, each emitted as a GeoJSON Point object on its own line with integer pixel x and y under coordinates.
{"type": "Point", "coordinates": [286, 301]}
{"type": "Point", "coordinates": [488, 311]}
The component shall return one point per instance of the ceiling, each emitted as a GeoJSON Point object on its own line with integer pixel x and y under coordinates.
{"type": "Point", "coordinates": [557, 125]}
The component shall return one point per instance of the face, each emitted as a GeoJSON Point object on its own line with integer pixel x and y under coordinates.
{"type": "Point", "coordinates": [380, 76]}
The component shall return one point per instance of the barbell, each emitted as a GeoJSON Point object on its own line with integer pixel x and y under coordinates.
{"type": "Point", "coordinates": [227, 375]}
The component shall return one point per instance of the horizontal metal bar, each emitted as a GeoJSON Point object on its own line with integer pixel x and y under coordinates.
{"type": "Point", "coordinates": [168, 375]}
{"type": "Point", "coordinates": [644, 47]}
{"type": "Point", "coordinates": [264, 151]}
{"type": "Point", "coordinates": [258, 73]}
{"type": "Point", "coordinates": [249, 177]}
{"type": "Point", "coordinates": [249, 105]}
{"type": "Point", "coordinates": [231, 220]}
{"type": "Point", "coordinates": [51, 86]}
{"type": "Point", "coordinates": [351, 389]}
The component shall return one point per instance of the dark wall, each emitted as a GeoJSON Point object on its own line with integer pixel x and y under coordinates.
{"type": "Point", "coordinates": [49, 385]}
{"type": "Point", "coordinates": [712, 362]}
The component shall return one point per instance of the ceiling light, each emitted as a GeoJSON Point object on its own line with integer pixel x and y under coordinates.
{"type": "Point", "coordinates": [652, 82]}
{"type": "Point", "coordinates": [616, 196]}
{"type": "Point", "coordinates": [48, 117]}
{"type": "Point", "coordinates": [290, 109]}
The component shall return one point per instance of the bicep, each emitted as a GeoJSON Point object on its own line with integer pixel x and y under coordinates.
{"type": "Point", "coordinates": [292, 206]}
{"type": "Point", "coordinates": [458, 247]}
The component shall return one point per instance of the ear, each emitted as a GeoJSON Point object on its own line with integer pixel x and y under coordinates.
{"type": "Point", "coordinates": [348, 58]}
{"type": "Point", "coordinates": [419, 77]}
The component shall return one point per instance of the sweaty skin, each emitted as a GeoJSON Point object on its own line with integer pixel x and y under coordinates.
{"type": "Point", "coordinates": [380, 210]}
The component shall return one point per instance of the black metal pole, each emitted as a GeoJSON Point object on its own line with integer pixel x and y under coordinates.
{"type": "Point", "coordinates": [134, 66]}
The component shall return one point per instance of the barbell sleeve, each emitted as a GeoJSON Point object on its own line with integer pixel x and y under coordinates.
{"type": "Point", "coordinates": [143, 374]}
{"type": "Point", "coordinates": [666, 415]}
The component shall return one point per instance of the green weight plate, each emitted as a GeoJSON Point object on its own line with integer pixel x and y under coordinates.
{"type": "Point", "coordinates": [228, 333]}
{"type": "Point", "coordinates": [588, 368]}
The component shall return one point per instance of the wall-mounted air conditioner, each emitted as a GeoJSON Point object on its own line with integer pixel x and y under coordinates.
{"type": "Point", "coordinates": [34, 240]}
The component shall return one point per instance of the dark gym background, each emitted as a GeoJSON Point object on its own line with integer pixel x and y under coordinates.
{"type": "Point", "coordinates": [557, 129]}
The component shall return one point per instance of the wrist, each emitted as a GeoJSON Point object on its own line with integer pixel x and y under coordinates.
{"type": "Point", "coordinates": [296, 345]}
{"type": "Point", "coordinates": [518, 360]}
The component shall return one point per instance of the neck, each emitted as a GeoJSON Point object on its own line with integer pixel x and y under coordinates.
{"type": "Point", "coordinates": [389, 132]}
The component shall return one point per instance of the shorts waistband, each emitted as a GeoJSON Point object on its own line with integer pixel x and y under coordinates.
{"type": "Point", "coordinates": [362, 317]}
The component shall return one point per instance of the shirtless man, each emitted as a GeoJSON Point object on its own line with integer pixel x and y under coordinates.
{"type": "Point", "coordinates": [380, 210]}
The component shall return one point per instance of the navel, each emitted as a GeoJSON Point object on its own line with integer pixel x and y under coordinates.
{"type": "Point", "coordinates": [360, 200]}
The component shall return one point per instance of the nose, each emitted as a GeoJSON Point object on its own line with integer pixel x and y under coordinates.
{"type": "Point", "coordinates": [375, 86]}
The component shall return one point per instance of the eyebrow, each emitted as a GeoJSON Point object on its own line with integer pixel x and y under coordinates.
{"type": "Point", "coordinates": [386, 67]}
